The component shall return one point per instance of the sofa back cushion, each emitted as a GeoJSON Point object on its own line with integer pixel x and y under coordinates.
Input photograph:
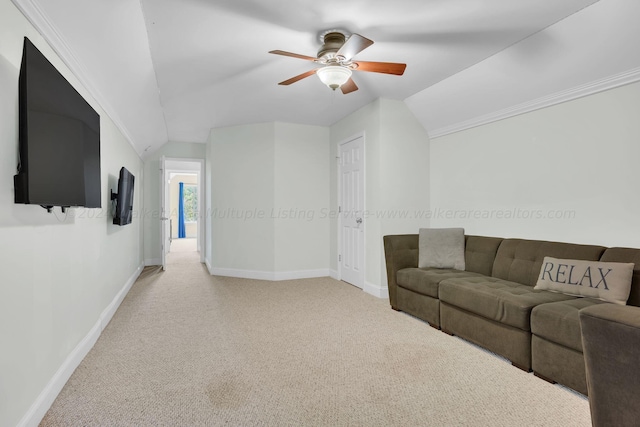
{"type": "Point", "coordinates": [401, 251]}
{"type": "Point", "coordinates": [627, 255]}
{"type": "Point", "coordinates": [520, 260]}
{"type": "Point", "coordinates": [480, 253]}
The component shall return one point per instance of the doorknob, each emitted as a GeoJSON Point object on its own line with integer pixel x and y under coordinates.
{"type": "Point", "coordinates": [359, 220]}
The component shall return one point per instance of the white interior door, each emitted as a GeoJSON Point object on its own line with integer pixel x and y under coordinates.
{"type": "Point", "coordinates": [164, 213]}
{"type": "Point", "coordinates": [351, 258]}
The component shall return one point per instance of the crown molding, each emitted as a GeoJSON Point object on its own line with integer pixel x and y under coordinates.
{"type": "Point", "coordinates": [36, 16]}
{"type": "Point", "coordinates": [617, 80]}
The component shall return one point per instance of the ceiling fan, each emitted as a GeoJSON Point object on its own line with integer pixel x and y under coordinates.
{"type": "Point", "coordinates": [336, 57]}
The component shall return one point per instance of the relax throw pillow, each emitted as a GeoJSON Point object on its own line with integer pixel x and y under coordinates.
{"type": "Point", "coordinates": [441, 248]}
{"type": "Point", "coordinates": [608, 281]}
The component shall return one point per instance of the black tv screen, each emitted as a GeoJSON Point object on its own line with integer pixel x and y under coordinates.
{"type": "Point", "coordinates": [59, 136]}
{"type": "Point", "coordinates": [124, 198]}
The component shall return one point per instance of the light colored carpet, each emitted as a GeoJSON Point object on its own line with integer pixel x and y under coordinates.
{"type": "Point", "coordinates": [186, 348]}
{"type": "Point", "coordinates": [184, 245]}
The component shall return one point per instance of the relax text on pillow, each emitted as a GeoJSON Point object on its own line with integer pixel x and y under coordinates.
{"type": "Point", "coordinates": [608, 281]}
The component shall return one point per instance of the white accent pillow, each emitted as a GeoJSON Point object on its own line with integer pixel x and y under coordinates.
{"type": "Point", "coordinates": [608, 281]}
{"type": "Point", "coordinates": [441, 248]}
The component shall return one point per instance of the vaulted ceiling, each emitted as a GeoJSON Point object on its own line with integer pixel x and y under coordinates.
{"type": "Point", "coordinates": [174, 69]}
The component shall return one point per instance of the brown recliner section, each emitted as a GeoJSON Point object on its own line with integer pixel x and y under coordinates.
{"type": "Point", "coordinates": [556, 343]}
{"type": "Point", "coordinates": [556, 346]}
{"type": "Point", "coordinates": [611, 344]}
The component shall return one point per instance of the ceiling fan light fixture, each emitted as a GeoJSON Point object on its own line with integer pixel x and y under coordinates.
{"type": "Point", "coordinates": [334, 76]}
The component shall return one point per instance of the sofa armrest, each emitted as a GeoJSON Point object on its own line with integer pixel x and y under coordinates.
{"type": "Point", "coordinates": [400, 251]}
{"type": "Point", "coordinates": [611, 345]}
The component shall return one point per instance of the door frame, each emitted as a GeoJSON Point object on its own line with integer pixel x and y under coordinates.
{"type": "Point", "coordinates": [362, 135]}
{"type": "Point", "coordinates": [170, 168]}
{"type": "Point", "coordinates": [163, 212]}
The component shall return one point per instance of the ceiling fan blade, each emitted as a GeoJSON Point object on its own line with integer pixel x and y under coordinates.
{"type": "Point", "coordinates": [298, 77]}
{"type": "Point", "coordinates": [381, 67]}
{"type": "Point", "coordinates": [349, 86]}
{"type": "Point", "coordinates": [293, 55]}
{"type": "Point", "coordinates": [354, 46]}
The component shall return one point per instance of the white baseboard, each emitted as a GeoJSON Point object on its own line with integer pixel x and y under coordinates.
{"type": "Point", "coordinates": [111, 309]}
{"type": "Point", "coordinates": [268, 275]}
{"type": "Point", "coordinates": [242, 274]}
{"type": "Point", "coordinates": [39, 408]}
{"type": "Point", "coordinates": [376, 290]}
{"type": "Point", "coordinates": [301, 274]}
{"type": "Point", "coordinates": [370, 288]}
{"type": "Point", "coordinates": [152, 261]}
{"type": "Point", "coordinates": [209, 267]}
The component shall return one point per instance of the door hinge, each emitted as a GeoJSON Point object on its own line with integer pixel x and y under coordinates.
{"type": "Point", "coordinates": [339, 258]}
{"type": "Point", "coordinates": [339, 209]}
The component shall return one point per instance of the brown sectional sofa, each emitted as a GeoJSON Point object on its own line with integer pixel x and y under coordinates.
{"type": "Point", "coordinates": [493, 304]}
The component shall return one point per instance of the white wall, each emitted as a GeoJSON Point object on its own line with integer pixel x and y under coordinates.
{"type": "Point", "coordinates": [242, 195]}
{"type": "Point", "coordinates": [177, 150]}
{"type": "Point", "coordinates": [264, 174]}
{"type": "Point", "coordinates": [404, 171]}
{"type": "Point", "coordinates": [301, 198]}
{"type": "Point", "coordinates": [59, 275]}
{"type": "Point", "coordinates": [269, 189]}
{"type": "Point", "coordinates": [397, 179]}
{"type": "Point", "coordinates": [576, 160]}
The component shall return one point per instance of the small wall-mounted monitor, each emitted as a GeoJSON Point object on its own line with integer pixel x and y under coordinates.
{"type": "Point", "coordinates": [124, 198]}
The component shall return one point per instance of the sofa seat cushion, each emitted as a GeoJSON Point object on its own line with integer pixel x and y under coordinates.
{"type": "Point", "coordinates": [425, 281]}
{"type": "Point", "coordinates": [559, 322]}
{"type": "Point", "coordinates": [506, 302]}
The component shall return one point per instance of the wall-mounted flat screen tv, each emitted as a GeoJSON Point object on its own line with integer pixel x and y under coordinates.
{"type": "Point", "coordinates": [124, 198]}
{"type": "Point", "coordinates": [59, 138]}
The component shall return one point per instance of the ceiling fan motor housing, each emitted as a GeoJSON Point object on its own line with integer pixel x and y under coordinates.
{"type": "Point", "coordinates": [333, 41]}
